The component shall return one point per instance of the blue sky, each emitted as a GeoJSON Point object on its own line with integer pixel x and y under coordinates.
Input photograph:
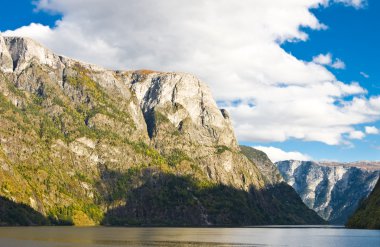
{"type": "Point", "coordinates": [352, 36]}
{"type": "Point", "coordinates": [15, 14]}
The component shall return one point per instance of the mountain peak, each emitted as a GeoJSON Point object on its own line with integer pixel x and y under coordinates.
{"type": "Point", "coordinates": [17, 52]}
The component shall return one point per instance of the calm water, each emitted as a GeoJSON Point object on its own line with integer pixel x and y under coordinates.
{"type": "Point", "coordinates": [107, 236]}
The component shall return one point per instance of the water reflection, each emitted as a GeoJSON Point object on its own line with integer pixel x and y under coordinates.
{"type": "Point", "coordinates": [185, 237]}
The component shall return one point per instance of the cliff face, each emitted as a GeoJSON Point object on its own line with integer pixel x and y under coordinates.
{"type": "Point", "coordinates": [367, 216]}
{"type": "Point", "coordinates": [181, 114]}
{"type": "Point", "coordinates": [271, 174]}
{"type": "Point", "coordinates": [332, 190]}
{"type": "Point", "coordinates": [77, 142]}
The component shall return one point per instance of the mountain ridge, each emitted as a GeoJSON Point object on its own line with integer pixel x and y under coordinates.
{"type": "Point", "coordinates": [364, 164]}
{"type": "Point", "coordinates": [78, 141]}
{"type": "Point", "coordinates": [333, 191]}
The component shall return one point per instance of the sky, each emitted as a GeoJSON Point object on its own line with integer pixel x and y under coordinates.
{"type": "Point", "coordinates": [300, 78]}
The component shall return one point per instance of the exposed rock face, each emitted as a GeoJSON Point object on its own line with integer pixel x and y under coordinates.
{"type": "Point", "coordinates": [24, 50]}
{"type": "Point", "coordinates": [187, 103]}
{"type": "Point", "coordinates": [181, 113]}
{"type": "Point", "coordinates": [333, 191]}
{"type": "Point", "coordinates": [77, 141]}
{"type": "Point", "coordinates": [6, 62]}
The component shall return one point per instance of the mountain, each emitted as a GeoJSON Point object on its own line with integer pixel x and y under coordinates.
{"type": "Point", "coordinates": [333, 190]}
{"type": "Point", "coordinates": [271, 174]}
{"type": "Point", "coordinates": [83, 145]}
{"type": "Point", "coordinates": [368, 214]}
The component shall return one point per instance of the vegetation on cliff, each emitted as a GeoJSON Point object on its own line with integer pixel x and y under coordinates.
{"type": "Point", "coordinates": [367, 216]}
{"type": "Point", "coordinates": [86, 146]}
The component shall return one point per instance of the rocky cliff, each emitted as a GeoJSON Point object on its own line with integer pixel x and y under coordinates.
{"type": "Point", "coordinates": [333, 190]}
{"type": "Point", "coordinates": [84, 145]}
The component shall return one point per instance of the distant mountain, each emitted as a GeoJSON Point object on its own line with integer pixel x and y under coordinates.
{"type": "Point", "coordinates": [363, 165]}
{"type": "Point", "coordinates": [368, 214]}
{"type": "Point", "coordinates": [83, 145]}
{"type": "Point", "coordinates": [333, 190]}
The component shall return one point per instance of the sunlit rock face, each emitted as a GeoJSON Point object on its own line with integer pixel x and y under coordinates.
{"type": "Point", "coordinates": [181, 113]}
{"type": "Point", "coordinates": [84, 145]}
{"type": "Point", "coordinates": [333, 190]}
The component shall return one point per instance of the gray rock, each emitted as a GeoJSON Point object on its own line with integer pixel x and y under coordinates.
{"type": "Point", "coordinates": [332, 190]}
{"type": "Point", "coordinates": [6, 62]}
{"type": "Point", "coordinates": [23, 50]}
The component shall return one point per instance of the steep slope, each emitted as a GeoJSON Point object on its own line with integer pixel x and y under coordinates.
{"type": "Point", "coordinates": [84, 145]}
{"type": "Point", "coordinates": [332, 190]}
{"type": "Point", "coordinates": [268, 169]}
{"type": "Point", "coordinates": [368, 214]}
{"type": "Point", "coordinates": [182, 116]}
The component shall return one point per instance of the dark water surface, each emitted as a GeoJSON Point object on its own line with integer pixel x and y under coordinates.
{"type": "Point", "coordinates": [109, 236]}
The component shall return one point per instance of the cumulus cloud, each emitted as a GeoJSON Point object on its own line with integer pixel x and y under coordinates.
{"type": "Point", "coordinates": [323, 59]}
{"type": "Point", "coordinates": [338, 64]}
{"type": "Point", "coordinates": [276, 154]}
{"type": "Point", "coordinates": [326, 59]}
{"type": "Point", "coordinates": [356, 135]}
{"type": "Point", "coordinates": [371, 130]}
{"type": "Point", "coordinates": [354, 3]}
{"type": "Point", "coordinates": [234, 46]}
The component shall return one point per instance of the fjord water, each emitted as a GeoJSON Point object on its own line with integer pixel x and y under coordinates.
{"type": "Point", "coordinates": [107, 236]}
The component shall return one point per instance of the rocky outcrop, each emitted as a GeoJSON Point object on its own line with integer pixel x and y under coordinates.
{"type": "Point", "coordinates": [181, 113]}
{"type": "Point", "coordinates": [6, 62]}
{"type": "Point", "coordinates": [77, 140]}
{"type": "Point", "coordinates": [186, 103]}
{"type": "Point", "coordinates": [21, 51]}
{"type": "Point", "coordinates": [332, 190]}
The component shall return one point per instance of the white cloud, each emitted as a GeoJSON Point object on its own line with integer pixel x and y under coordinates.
{"type": "Point", "coordinates": [338, 64]}
{"type": "Point", "coordinates": [323, 59]}
{"type": "Point", "coordinates": [276, 154]}
{"type": "Point", "coordinates": [356, 134]}
{"type": "Point", "coordinates": [326, 59]}
{"type": "Point", "coordinates": [371, 130]}
{"type": "Point", "coordinates": [234, 46]}
{"type": "Point", "coordinates": [354, 3]}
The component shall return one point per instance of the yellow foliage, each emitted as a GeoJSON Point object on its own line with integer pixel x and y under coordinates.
{"type": "Point", "coordinates": [81, 219]}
